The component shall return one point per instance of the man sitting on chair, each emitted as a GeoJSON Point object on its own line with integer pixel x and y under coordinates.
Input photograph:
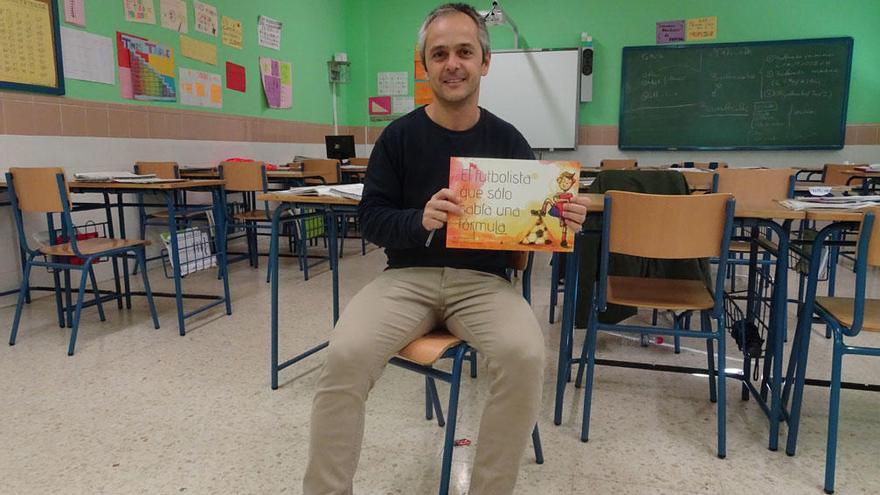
{"type": "Point", "coordinates": [425, 286]}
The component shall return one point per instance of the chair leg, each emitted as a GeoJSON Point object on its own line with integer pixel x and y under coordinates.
{"type": "Point", "coordinates": [25, 285]}
{"type": "Point", "coordinates": [432, 402]}
{"type": "Point", "coordinates": [142, 260]}
{"type": "Point", "coordinates": [536, 444]}
{"type": "Point", "coordinates": [590, 352]}
{"type": "Point", "coordinates": [97, 294]}
{"type": "Point", "coordinates": [833, 413]}
{"type": "Point", "coordinates": [74, 327]}
{"type": "Point", "coordinates": [722, 391]}
{"type": "Point", "coordinates": [452, 411]}
{"type": "Point", "coordinates": [580, 371]}
{"type": "Point", "coordinates": [706, 326]}
{"type": "Point", "coordinates": [473, 362]}
{"type": "Point", "coordinates": [59, 304]}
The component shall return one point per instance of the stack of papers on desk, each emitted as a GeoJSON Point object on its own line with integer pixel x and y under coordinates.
{"type": "Point", "coordinates": [109, 176]}
{"type": "Point", "coordinates": [874, 167]}
{"type": "Point", "coordinates": [350, 191]}
{"type": "Point", "coordinates": [835, 203]}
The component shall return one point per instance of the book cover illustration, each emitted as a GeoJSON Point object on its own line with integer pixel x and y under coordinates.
{"type": "Point", "coordinates": [512, 205]}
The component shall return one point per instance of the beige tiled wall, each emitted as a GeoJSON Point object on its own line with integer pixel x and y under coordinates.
{"type": "Point", "coordinates": [28, 114]}
{"type": "Point", "coordinates": [38, 115]}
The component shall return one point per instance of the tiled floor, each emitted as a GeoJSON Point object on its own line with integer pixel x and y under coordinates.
{"type": "Point", "coordinates": [139, 410]}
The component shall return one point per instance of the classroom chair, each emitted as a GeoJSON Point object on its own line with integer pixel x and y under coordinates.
{"type": "Point", "coordinates": [833, 174]}
{"type": "Point", "coordinates": [661, 227]}
{"type": "Point", "coordinates": [701, 165]}
{"type": "Point", "coordinates": [249, 178]}
{"type": "Point", "coordinates": [328, 170]}
{"type": "Point", "coordinates": [699, 182]}
{"type": "Point", "coordinates": [422, 354]}
{"type": "Point", "coordinates": [616, 164]}
{"type": "Point", "coordinates": [159, 218]}
{"type": "Point", "coordinates": [44, 190]}
{"type": "Point", "coordinates": [847, 317]}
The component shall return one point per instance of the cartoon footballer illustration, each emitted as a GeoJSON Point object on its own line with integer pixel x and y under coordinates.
{"type": "Point", "coordinates": [556, 203]}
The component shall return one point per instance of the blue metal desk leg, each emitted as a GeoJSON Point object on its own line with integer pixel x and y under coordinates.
{"type": "Point", "coordinates": [273, 272]}
{"type": "Point", "coordinates": [779, 321]}
{"type": "Point", "coordinates": [125, 277]}
{"type": "Point", "coordinates": [108, 211]}
{"type": "Point", "coordinates": [330, 219]}
{"type": "Point", "coordinates": [219, 197]}
{"type": "Point", "coordinates": [175, 261]}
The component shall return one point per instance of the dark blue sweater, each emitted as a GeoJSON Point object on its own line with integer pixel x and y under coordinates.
{"type": "Point", "coordinates": [409, 164]}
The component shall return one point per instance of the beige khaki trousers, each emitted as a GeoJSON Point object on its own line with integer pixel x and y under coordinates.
{"type": "Point", "coordinates": [397, 307]}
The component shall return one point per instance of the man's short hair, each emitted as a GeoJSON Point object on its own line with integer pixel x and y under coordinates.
{"type": "Point", "coordinates": [452, 8]}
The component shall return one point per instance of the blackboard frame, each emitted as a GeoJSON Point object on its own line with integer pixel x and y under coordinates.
{"type": "Point", "coordinates": [58, 89]}
{"type": "Point", "coordinates": [846, 40]}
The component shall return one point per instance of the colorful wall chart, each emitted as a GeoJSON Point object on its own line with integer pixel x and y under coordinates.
{"type": "Point", "coordinates": [27, 45]}
{"type": "Point", "coordinates": [277, 79]}
{"type": "Point", "coordinates": [139, 11]}
{"type": "Point", "coordinates": [146, 69]}
{"type": "Point", "coordinates": [205, 17]}
{"type": "Point", "coordinates": [174, 16]}
{"type": "Point", "coordinates": [200, 88]}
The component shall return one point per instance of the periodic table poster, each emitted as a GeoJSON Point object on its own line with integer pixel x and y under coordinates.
{"type": "Point", "coordinates": [30, 53]}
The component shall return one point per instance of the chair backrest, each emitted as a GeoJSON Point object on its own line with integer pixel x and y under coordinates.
{"type": "Point", "coordinates": [666, 226]}
{"type": "Point", "coordinates": [873, 257]}
{"type": "Point", "coordinates": [359, 160]}
{"type": "Point", "coordinates": [162, 170]}
{"type": "Point", "coordinates": [755, 188]}
{"type": "Point", "coordinates": [36, 189]}
{"type": "Point", "coordinates": [244, 176]}
{"type": "Point", "coordinates": [702, 165]}
{"type": "Point", "coordinates": [833, 173]}
{"type": "Point", "coordinates": [327, 169]}
{"type": "Point", "coordinates": [617, 164]}
{"type": "Point", "coordinates": [699, 181]}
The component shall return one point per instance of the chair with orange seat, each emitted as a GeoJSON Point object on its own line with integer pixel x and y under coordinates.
{"type": "Point", "coordinates": [422, 354]}
{"type": "Point", "coordinates": [847, 317]}
{"type": "Point", "coordinates": [44, 190]}
{"type": "Point", "coordinates": [661, 227]}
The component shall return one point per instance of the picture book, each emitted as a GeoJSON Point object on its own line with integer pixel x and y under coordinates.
{"type": "Point", "coordinates": [512, 205]}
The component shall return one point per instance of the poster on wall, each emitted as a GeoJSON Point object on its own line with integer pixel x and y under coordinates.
{"type": "Point", "coordinates": [269, 31]}
{"type": "Point", "coordinates": [702, 28]}
{"type": "Point", "coordinates": [139, 11]}
{"type": "Point", "coordinates": [198, 50]}
{"type": "Point", "coordinates": [75, 12]}
{"type": "Point", "coordinates": [174, 16]}
{"type": "Point", "coordinates": [235, 77]}
{"type": "Point", "coordinates": [146, 69]}
{"type": "Point", "coordinates": [393, 83]}
{"type": "Point", "coordinates": [232, 35]}
{"type": "Point", "coordinates": [277, 77]}
{"type": "Point", "coordinates": [87, 56]}
{"type": "Point", "coordinates": [30, 44]}
{"type": "Point", "coordinates": [670, 32]}
{"type": "Point", "coordinates": [205, 17]}
{"type": "Point", "coordinates": [199, 88]}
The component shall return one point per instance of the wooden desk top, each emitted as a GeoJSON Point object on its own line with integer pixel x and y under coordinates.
{"type": "Point", "coordinates": [270, 174]}
{"type": "Point", "coordinates": [184, 184]}
{"type": "Point", "coordinates": [285, 197]}
{"type": "Point", "coordinates": [804, 186]}
{"type": "Point", "coordinates": [829, 215]}
{"type": "Point", "coordinates": [353, 168]}
{"type": "Point", "coordinates": [773, 211]}
{"type": "Point", "coordinates": [861, 173]}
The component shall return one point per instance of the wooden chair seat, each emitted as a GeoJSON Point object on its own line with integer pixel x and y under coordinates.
{"type": "Point", "coordinates": [92, 246]}
{"type": "Point", "coordinates": [258, 216]}
{"type": "Point", "coordinates": [427, 349]}
{"type": "Point", "coordinates": [659, 293]}
{"type": "Point", "coordinates": [177, 214]}
{"type": "Point", "coordinates": [842, 308]}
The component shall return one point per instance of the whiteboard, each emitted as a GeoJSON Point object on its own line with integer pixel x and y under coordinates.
{"type": "Point", "coordinates": [537, 91]}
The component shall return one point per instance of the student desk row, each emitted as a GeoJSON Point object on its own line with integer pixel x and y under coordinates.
{"type": "Point", "coordinates": [167, 190]}
{"type": "Point", "coordinates": [773, 216]}
{"type": "Point", "coordinates": [333, 207]}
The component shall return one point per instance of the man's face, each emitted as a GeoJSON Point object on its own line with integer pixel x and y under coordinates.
{"type": "Point", "coordinates": [454, 59]}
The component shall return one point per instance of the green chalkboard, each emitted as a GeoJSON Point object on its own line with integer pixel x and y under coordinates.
{"type": "Point", "coordinates": [752, 95]}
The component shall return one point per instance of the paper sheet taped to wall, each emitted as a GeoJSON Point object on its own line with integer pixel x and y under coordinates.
{"type": "Point", "coordinates": [26, 52]}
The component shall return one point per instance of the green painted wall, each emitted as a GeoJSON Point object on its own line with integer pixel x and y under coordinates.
{"type": "Point", "coordinates": [391, 26]}
{"type": "Point", "coordinates": [313, 30]}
